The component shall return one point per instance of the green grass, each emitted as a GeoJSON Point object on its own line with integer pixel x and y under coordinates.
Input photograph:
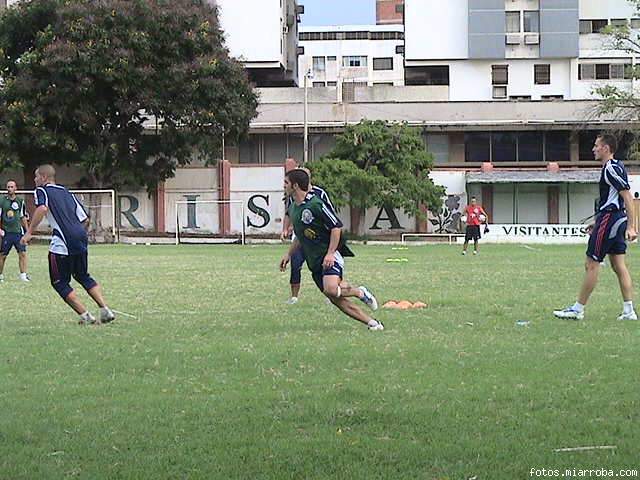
{"type": "Point", "coordinates": [218, 378]}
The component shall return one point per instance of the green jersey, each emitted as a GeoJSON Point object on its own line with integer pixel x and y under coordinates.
{"type": "Point", "coordinates": [312, 222]}
{"type": "Point", "coordinates": [12, 212]}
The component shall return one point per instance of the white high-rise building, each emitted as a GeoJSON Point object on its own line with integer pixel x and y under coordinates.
{"type": "Point", "coordinates": [361, 55]}
{"type": "Point", "coordinates": [515, 49]}
{"type": "Point", "coordinates": [263, 34]}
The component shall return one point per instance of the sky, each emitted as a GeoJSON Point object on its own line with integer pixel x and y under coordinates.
{"type": "Point", "coordinates": [338, 12]}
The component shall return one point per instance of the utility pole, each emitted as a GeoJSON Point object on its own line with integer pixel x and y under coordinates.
{"type": "Point", "coordinates": [305, 157]}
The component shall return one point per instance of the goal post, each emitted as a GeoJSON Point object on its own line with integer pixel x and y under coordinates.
{"type": "Point", "coordinates": [101, 207]}
{"type": "Point", "coordinates": [198, 221]}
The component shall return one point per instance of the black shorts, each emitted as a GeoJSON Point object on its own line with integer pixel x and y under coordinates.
{"type": "Point", "coordinates": [472, 233]}
{"type": "Point", "coordinates": [63, 267]}
{"type": "Point", "coordinates": [608, 236]}
{"type": "Point", "coordinates": [12, 240]}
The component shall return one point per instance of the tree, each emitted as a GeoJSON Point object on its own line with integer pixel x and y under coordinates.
{"type": "Point", "coordinates": [379, 164]}
{"type": "Point", "coordinates": [620, 101]}
{"type": "Point", "coordinates": [125, 89]}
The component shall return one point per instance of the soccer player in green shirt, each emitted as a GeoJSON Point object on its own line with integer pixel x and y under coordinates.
{"type": "Point", "coordinates": [13, 225]}
{"type": "Point", "coordinates": [318, 231]}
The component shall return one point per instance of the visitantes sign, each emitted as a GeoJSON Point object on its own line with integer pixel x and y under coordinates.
{"type": "Point", "coordinates": [536, 233]}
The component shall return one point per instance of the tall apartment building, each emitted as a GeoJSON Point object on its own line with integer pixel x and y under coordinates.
{"type": "Point", "coordinates": [264, 35]}
{"type": "Point", "coordinates": [389, 12]}
{"type": "Point", "coordinates": [514, 49]}
{"type": "Point", "coordinates": [354, 55]}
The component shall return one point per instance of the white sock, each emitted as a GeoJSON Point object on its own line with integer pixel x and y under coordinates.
{"type": "Point", "coordinates": [86, 316]}
{"type": "Point", "coordinates": [1, 276]}
{"type": "Point", "coordinates": [373, 323]}
{"type": "Point", "coordinates": [627, 307]}
{"type": "Point", "coordinates": [578, 307]}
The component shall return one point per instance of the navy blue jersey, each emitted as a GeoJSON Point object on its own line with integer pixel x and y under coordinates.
{"type": "Point", "coordinates": [65, 216]}
{"type": "Point", "coordinates": [613, 180]}
{"type": "Point", "coordinates": [317, 191]}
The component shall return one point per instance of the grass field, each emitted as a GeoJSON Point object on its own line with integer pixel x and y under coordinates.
{"type": "Point", "coordinates": [218, 378]}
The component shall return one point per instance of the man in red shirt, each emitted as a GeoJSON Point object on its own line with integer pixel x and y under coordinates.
{"type": "Point", "coordinates": [475, 217]}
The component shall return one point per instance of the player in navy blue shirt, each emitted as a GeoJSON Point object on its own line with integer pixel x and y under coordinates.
{"type": "Point", "coordinates": [69, 243]}
{"type": "Point", "coordinates": [609, 233]}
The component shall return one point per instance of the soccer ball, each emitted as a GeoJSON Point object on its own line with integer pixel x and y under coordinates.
{"type": "Point", "coordinates": [482, 218]}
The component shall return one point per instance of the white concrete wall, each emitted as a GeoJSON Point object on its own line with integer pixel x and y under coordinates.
{"type": "Point", "coordinates": [470, 80]}
{"type": "Point", "coordinates": [435, 31]}
{"type": "Point", "coordinates": [193, 185]}
{"type": "Point", "coordinates": [136, 210]}
{"type": "Point", "coordinates": [260, 188]}
{"type": "Point", "coordinates": [596, 9]}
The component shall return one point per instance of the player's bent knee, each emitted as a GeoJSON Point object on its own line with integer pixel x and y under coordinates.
{"type": "Point", "coordinates": [332, 291]}
{"type": "Point", "coordinates": [63, 289]}
{"type": "Point", "coordinates": [86, 281]}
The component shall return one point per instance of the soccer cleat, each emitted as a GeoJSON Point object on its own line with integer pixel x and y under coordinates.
{"type": "Point", "coordinates": [292, 301]}
{"type": "Point", "coordinates": [569, 314]}
{"type": "Point", "coordinates": [1, 278]}
{"type": "Point", "coordinates": [87, 320]}
{"type": "Point", "coordinates": [106, 315]}
{"type": "Point", "coordinates": [628, 316]}
{"type": "Point", "coordinates": [368, 298]}
{"type": "Point", "coordinates": [25, 278]}
{"type": "Point", "coordinates": [379, 326]}
{"type": "Point", "coordinates": [464, 253]}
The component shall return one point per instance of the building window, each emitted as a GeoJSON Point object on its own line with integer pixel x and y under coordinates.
{"type": "Point", "coordinates": [383, 63]}
{"type": "Point", "coordinates": [635, 23]}
{"type": "Point", "coordinates": [319, 64]}
{"type": "Point", "coordinates": [604, 71]}
{"type": "Point", "coordinates": [586, 71]}
{"type": "Point", "coordinates": [438, 146]}
{"type": "Point", "coordinates": [532, 21]}
{"type": "Point", "coordinates": [557, 148]}
{"type": "Point", "coordinates": [318, 84]}
{"type": "Point", "coordinates": [477, 147]}
{"type": "Point", "coordinates": [619, 22]}
{"type": "Point", "coordinates": [499, 74]}
{"type": "Point", "coordinates": [512, 22]}
{"type": "Point", "coordinates": [592, 26]}
{"type": "Point", "coordinates": [331, 59]}
{"type": "Point", "coordinates": [354, 61]}
{"type": "Point", "coordinates": [499, 92]}
{"type": "Point", "coordinates": [617, 71]}
{"type": "Point", "coordinates": [399, 8]}
{"type": "Point", "coordinates": [356, 35]}
{"type": "Point", "coordinates": [530, 147]}
{"type": "Point", "coordinates": [400, 49]}
{"type": "Point", "coordinates": [542, 74]}
{"type": "Point", "coordinates": [386, 84]}
{"type": "Point", "coordinates": [332, 84]}
{"type": "Point", "coordinates": [504, 147]}
{"type": "Point", "coordinates": [432, 75]}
